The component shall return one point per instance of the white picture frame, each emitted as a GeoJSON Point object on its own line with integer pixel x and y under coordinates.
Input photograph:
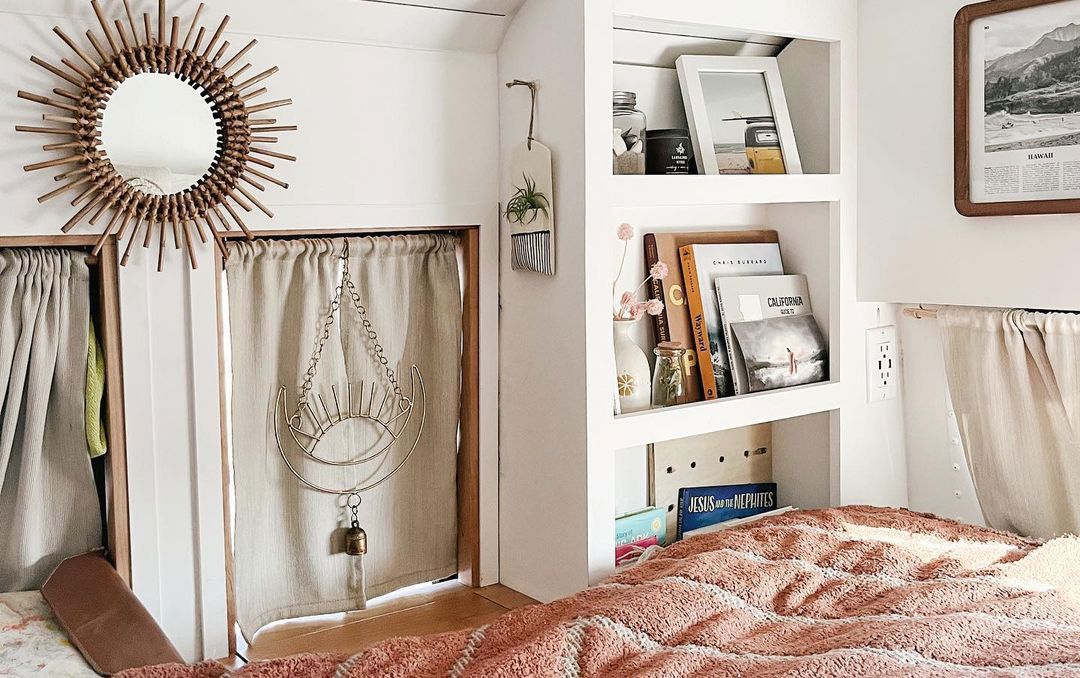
{"type": "Point", "coordinates": [692, 68]}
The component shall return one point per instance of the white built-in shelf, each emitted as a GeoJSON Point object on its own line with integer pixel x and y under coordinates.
{"type": "Point", "coordinates": [642, 428]}
{"type": "Point", "coordinates": [659, 190]}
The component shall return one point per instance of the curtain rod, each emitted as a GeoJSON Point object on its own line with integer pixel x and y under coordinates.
{"type": "Point", "coordinates": [920, 313]}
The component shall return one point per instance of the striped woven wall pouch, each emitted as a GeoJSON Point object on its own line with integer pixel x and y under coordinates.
{"type": "Point", "coordinates": [530, 210]}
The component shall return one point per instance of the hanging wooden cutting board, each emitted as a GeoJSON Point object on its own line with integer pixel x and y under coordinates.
{"type": "Point", "coordinates": [533, 242]}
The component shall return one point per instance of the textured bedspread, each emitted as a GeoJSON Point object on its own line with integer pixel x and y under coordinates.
{"type": "Point", "coordinates": [845, 592]}
{"type": "Point", "coordinates": [31, 643]}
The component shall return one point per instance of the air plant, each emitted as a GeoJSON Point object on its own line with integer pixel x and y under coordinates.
{"type": "Point", "coordinates": [527, 203]}
{"type": "Point", "coordinates": [628, 307]}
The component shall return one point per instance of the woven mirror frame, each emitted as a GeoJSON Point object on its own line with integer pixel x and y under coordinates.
{"type": "Point", "coordinates": [215, 203]}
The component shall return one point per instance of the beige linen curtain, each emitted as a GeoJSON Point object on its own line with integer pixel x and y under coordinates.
{"type": "Point", "coordinates": [288, 550]}
{"type": "Point", "coordinates": [1014, 378]}
{"type": "Point", "coordinates": [48, 502]}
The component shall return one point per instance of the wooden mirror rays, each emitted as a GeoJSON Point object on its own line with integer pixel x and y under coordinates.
{"type": "Point", "coordinates": [93, 72]}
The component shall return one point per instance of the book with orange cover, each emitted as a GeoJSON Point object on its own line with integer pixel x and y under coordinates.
{"type": "Point", "coordinates": [701, 266]}
{"type": "Point", "coordinates": [673, 324]}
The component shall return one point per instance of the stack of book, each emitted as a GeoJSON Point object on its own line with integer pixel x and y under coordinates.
{"type": "Point", "coordinates": [700, 510]}
{"type": "Point", "coordinates": [750, 327]}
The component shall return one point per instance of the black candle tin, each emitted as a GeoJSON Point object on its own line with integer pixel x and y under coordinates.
{"type": "Point", "coordinates": [668, 151]}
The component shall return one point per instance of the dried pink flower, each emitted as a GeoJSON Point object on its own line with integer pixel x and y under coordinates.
{"type": "Point", "coordinates": [637, 310]}
{"type": "Point", "coordinates": [625, 232]}
{"type": "Point", "coordinates": [654, 307]}
{"type": "Point", "coordinates": [627, 299]}
{"type": "Point", "coordinates": [659, 271]}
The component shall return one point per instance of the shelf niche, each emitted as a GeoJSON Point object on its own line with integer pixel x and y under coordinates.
{"type": "Point", "coordinates": [645, 52]}
{"type": "Point", "coordinates": [802, 463]}
{"type": "Point", "coordinates": [808, 245]}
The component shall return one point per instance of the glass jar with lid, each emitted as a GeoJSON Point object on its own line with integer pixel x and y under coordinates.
{"type": "Point", "coordinates": [669, 375]}
{"type": "Point", "coordinates": [628, 134]}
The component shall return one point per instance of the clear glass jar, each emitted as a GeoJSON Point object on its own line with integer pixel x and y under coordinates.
{"type": "Point", "coordinates": [669, 378]}
{"type": "Point", "coordinates": [629, 127]}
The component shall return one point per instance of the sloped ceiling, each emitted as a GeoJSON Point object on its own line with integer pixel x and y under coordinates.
{"type": "Point", "coordinates": [498, 7]}
{"type": "Point", "coordinates": [457, 25]}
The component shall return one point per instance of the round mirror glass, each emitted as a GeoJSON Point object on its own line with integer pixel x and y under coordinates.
{"type": "Point", "coordinates": [159, 133]}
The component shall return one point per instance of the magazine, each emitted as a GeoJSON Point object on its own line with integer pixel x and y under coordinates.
{"type": "Point", "coordinates": [761, 299]}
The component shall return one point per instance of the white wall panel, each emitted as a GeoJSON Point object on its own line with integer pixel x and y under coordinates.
{"type": "Point", "coordinates": [422, 25]}
{"type": "Point", "coordinates": [544, 533]}
{"type": "Point", "coordinates": [940, 481]}
{"type": "Point", "coordinates": [913, 245]}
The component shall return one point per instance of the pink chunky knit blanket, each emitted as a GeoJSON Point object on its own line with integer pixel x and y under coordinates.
{"type": "Point", "coordinates": [855, 591]}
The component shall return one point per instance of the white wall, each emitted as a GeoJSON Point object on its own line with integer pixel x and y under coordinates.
{"type": "Point", "coordinates": [542, 396]}
{"type": "Point", "coordinates": [388, 136]}
{"type": "Point", "coordinates": [940, 481]}
{"type": "Point", "coordinates": [915, 248]}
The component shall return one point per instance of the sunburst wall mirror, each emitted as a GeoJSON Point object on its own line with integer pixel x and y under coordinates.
{"type": "Point", "coordinates": [161, 131]}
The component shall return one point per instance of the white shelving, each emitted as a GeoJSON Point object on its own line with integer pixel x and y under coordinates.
{"type": "Point", "coordinates": [652, 191]}
{"type": "Point", "coordinates": [562, 449]}
{"type": "Point", "coordinates": [642, 428]}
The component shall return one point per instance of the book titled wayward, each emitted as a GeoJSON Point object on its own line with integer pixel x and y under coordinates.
{"type": "Point", "coordinates": [703, 506]}
{"type": "Point", "coordinates": [702, 265]}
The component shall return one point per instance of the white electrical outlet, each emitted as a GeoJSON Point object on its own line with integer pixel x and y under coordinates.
{"type": "Point", "coordinates": [882, 364]}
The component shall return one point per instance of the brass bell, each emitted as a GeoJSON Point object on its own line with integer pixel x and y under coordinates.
{"type": "Point", "coordinates": [355, 541]}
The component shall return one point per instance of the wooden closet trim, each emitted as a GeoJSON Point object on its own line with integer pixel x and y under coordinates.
{"type": "Point", "coordinates": [117, 513]}
{"type": "Point", "coordinates": [468, 467]}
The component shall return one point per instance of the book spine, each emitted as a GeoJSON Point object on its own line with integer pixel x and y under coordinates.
{"type": "Point", "coordinates": [656, 289]}
{"type": "Point", "coordinates": [729, 345]}
{"type": "Point", "coordinates": [679, 516]}
{"type": "Point", "coordinates": [697, 322]}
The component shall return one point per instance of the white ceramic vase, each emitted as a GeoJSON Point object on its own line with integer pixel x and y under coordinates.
{"type": "Point", "coordinates": [634, 381]}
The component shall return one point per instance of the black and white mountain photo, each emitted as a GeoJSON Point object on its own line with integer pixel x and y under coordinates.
{"type": "Point", "coordinates": [1032, 78]}
{"type": "Point", "coordinates": [782, 352]}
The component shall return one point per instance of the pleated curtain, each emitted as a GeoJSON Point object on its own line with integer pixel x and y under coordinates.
{"type": "Point", "coordinates": [289, 559]}
{"type": "Point", "coordinates": [48, 502]}
{"type": "Point", "coordinates": [1014, 378]}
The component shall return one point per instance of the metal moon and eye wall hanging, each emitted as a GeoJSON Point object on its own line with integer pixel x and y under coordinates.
{"type": "Point", "coordinates": [159, 132]}
{"type": "Point", "coordinates": [385, 407]}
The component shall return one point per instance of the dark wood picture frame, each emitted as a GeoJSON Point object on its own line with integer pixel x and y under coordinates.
{"type": "Point", "coordinates": [961, 130]}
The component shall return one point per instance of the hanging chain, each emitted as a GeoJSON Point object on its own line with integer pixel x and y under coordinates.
{"type": "Point", "coordinates": [361, 310]}
{"type": "Point", "coordinates": [355, 508]}
{"type": "Point", "coordinates": [316, 356]}
{"type": "Point", "coordinates": [328, 323]}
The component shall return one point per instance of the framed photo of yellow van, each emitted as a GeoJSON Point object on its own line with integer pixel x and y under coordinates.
{"type": "Point", "coordinates": [738, 115]}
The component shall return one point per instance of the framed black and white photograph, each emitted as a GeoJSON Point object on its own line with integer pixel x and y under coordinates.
{"type": "Point", "coordinates": [738, 115]}
{"type": "Point", "coordinates": [1018, 107]}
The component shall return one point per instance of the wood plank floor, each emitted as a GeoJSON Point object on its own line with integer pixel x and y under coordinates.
{"type": "Point", "coordinates": [449, 606]}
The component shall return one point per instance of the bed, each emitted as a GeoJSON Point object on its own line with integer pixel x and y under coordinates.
{"type": "Point", "coordinates": [32, 642]}
{"type": "Point", "coordinates": [855, 591]}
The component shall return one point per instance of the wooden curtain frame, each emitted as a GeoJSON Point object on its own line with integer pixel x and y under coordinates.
{"type": "Point", "coordinates": [117, 514]}
{"type": "Point", "coordinates": [961, 127]}
{"type": "Point", "coordinates": [468, 458]}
